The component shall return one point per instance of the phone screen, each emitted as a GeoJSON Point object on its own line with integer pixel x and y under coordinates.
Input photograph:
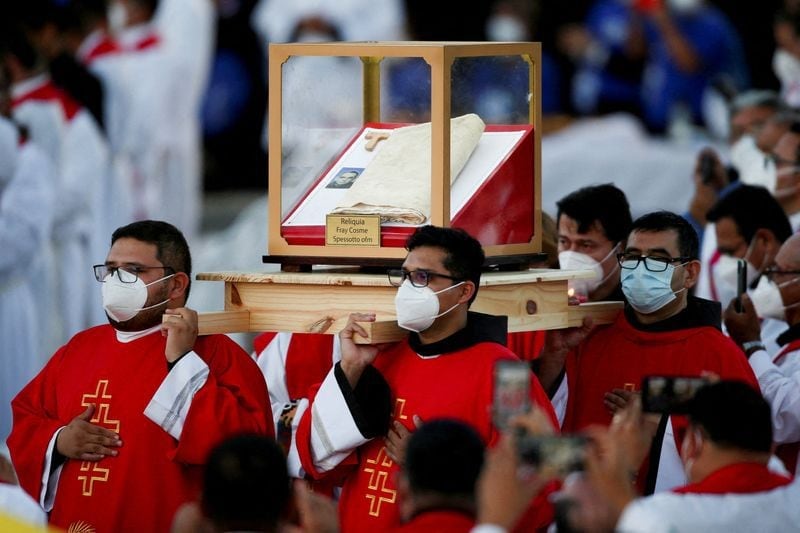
{"type": "Point", "coordinates": [561, 454]}
{"type": "Point", "coordinates": [669, 394]}
{"type": "Point", "coordinates": [741, 282]}
{"type": "Point", "coordinates": [707, 168]}
{"type": "Point", "coordinates": [512, 381]}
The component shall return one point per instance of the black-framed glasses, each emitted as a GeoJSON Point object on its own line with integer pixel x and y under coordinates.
{"type": "Point", "coordinates": [774, 271]}
{"type": "Point", "coordinates": [127, 273]}
{"type": "Point", "coordinates": [418, 278]}
{"type": "Point", "coordinates": [653, 263]}
{"type": "Point", "coordinates": [778, 161]}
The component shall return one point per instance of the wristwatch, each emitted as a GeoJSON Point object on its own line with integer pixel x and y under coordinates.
{"type": "Point", "coordinates": [750, 347]}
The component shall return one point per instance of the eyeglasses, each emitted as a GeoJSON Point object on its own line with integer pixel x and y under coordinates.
{"type": "Point", "coordinates": [418, 278]}
{"type": "Point", "coordinates": [126, 274]}
{"type": "Point", "coordinates": [770, 272]}
{"type": "Point", "coordinates": [653, 263]}
{"type": "Point", "coordinates": [778, 161]}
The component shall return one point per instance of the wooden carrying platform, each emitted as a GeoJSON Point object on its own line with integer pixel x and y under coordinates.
{"type": "Point", "coordinates": [321, 301]}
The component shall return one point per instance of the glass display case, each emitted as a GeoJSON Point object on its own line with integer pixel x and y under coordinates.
{"type": "Point", "coordinates": [369, 140]}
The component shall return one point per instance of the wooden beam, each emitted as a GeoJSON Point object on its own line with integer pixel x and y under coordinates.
{"type": "Point", "coordinates": [600, 312]}
{"type": "Point", "coordinates": [321, 302]}
{"type": "Point", "coordinates": [223, 322]}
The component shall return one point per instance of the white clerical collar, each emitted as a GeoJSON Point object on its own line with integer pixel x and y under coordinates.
{"type": "Point", "coordinates": [24, 87]}
{"type": "Point", "coordinates": [130, 336]}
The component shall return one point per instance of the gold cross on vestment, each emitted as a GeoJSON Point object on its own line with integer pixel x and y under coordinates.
{"type": "Point", "coordinates": [97, 474]}
{"type": "Point", "coordinates": [100, 417]}
{"type": "Point", "coordinates": [101, 411]}
{"type": "Point", "coordinates": [378, 477]}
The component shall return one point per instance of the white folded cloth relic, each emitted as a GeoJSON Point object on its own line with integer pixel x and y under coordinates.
{"type": "Point", "coordinates": [396, 184]}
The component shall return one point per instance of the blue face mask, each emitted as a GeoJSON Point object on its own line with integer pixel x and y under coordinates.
{"type": "Point", "coordinates": [646, 291]}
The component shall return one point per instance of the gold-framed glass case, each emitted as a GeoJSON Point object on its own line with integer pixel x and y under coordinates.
{"type": "Point", "coordinates": [455, 125]}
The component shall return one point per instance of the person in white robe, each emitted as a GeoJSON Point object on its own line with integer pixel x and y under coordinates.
{"type": "Point", "coordinates": [73, 141]}
{"type": "Point", "coordinates": [166, 49]}
{"type": "Point", "coordinates": [27, 196]}
{"type": "Point", "coordinates": [189, 31]}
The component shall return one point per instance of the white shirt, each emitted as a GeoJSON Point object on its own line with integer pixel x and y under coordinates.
{"type": "Point", "coordinates": [780, 385]}
{"type": "Point", "coordinates": [776, 510]}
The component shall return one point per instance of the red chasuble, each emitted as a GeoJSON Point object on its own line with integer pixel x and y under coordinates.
{"type": "Point", "coordinates": [526, 344]}
{"type": "Point", "coordinates": [139, 489]}
{"type": "Point", "coordinates": [456, 385]}
{"type": "Point", "coordinates": [619, 356]}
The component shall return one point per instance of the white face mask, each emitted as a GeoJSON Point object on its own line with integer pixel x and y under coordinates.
{"type": "Point", "coordinates": [418, 307]}
{"type": "Point", "coordinates": [646, 291]}
{"type": "Point", "coordinates": [123, 301]}
{"type": "Point", "coordinates": [569, 260]}
{"type": "Point", "coordinates": [726, 278]}
{"type": "Point", "coordinates": [684, 6]}
{"type": "Point", "coordinates": [505, 27]}
{"type": "Point", "coordinates": [117, 17]}
{"type": "Point", "coordinates": [787, 69]}
{"type": "Point", "coordinates": [767, 299]}
{"type": "Point", "coordinates": [754, 167]}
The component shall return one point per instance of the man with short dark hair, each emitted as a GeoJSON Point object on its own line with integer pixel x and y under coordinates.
{"type": "Point", "coordinates": [443, 369]}
{"type": "Point", "coordinates": [663, 330]}
{"type": "Point", "coordinates": [146, 379]}
{"type": "Point", "coordinates": [593, 223]}
{"type": "Point", "coordinates": [726, 451]}
{"type": "Point", "coordinates": [437, 482]}
{"type": "Point", "coordinates": [245, 488]}
{"type": "Point", "coordinates": [749, 224]}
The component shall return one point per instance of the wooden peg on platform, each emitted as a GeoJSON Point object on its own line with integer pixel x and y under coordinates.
{"type": "Point", "coordinates": [373, 138]}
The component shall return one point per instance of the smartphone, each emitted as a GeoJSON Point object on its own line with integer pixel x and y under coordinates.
{"type": "Point", "coordinates": [741, 283]}
{"type": "Point", "coordinates": [669, 394]}
{"type": "Point", "coordinates": [512, 383]}
{"type": "Point", "coordinates": [561, 454]}
{"type": "Point", "coordinates": [707, 168]}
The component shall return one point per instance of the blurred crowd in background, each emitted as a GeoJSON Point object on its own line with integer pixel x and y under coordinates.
{"type": "Point", "coordinates": [599, 56]}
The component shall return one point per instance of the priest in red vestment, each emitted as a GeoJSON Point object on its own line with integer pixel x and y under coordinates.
{"type": "Point", "coordinates": [444, 369]}
{"type": "Point", "coordinates": [112, 434]}
{"type": "Point", "coordinates": [663, 331]}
